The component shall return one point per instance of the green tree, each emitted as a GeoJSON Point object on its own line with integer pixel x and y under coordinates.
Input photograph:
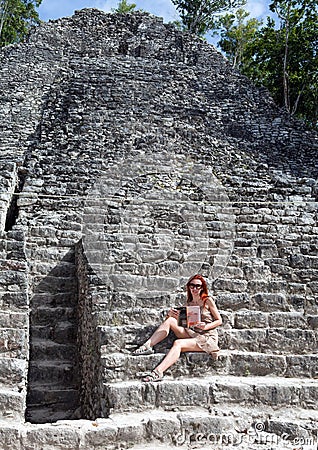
{"type": "Point", "coordinates": [16, 19]}
{"type": "Point", "coordinates": [198, 16]}
{"type": "Point", "coordinates": [285, 60]}
{"type": "Point", "coordinates": [124, 7]}
{"type": "Point", "coordinates": [235, 34]}
{"type": "Point", "coordinates": [280, 55]}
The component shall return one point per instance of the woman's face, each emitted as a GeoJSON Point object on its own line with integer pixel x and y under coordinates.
{"type": "Point", "coordinates": [195, 286]}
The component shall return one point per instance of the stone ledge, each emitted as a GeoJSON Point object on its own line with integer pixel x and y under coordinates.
{"type": "Point", "coordinates": [266, 340]}
{"type": "Point", "coordinates": [124, 366]}
{"type": "Point", "coordinates": [206, 392]}
{"type": "Point", "coordinates": [239, 426]}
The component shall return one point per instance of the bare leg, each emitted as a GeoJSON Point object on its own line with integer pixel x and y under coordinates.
{"type": "Point", "coordinates": [163, 330]}
{"type": "Point", "coordinates": [179, 346]}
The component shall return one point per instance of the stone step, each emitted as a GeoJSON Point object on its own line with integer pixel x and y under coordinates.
{"type": "Point", "coordinates": [49, 316]}
{"type": "Point", "coordinates": [254, 298]}
{"type": "Point", "coordinates": [12, 405]}
{"type": "Point", "coordinates": [231, 319]}
{"type": "Point", "coordinates": [64, 299]}
{"type": "Point", "coordinates": [223, 427]}
{"type": "Point", "coordinates": [59, 332]}
{"type": "Point", "coordinates": [54, 371]}
{"type": "Point", "coordinates": [45, 415]}
{"type": "Point", "coordinates": [273, 340]}
{"type": "Point", "coordinates": [124, 366]}
{"type": "Point", "coordinates": [206, 391]}
{"type": "Point", "coordinates": [42, 349]}
{"type": "Point", "coordinates": [54, 284]}
{"type": "Point", "coordinates": [50, 394]}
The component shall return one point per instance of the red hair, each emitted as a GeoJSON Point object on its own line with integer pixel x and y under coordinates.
{"type": "Point", "coordinates": [204, 290]}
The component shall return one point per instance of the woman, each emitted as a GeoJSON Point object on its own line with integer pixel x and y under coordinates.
{"type": "Point", "coordinates": [201, 338]}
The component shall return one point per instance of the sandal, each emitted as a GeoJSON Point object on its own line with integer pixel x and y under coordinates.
{"type": "Point", "coordinates": [143, 350]}
{"type": "Point", "coordinates": [153, 376]}
{"type": "Point", "coordinates": [215, 355]}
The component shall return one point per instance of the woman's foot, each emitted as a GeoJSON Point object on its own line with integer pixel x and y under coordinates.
{"type": "Point", "coordinates": [144, 349]}
{"type": "Point", "coordinates": [215, 355]}
{"type": "Point", "coordinates": [155, 375]}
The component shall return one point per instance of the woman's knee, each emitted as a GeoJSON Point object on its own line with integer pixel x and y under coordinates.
{"type": "Point", "coordinates": [178, 343]}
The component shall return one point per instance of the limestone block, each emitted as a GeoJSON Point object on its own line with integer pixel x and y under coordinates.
{"type": "Point", "coordinates": [230, 285]}
{"type": "Point", "coordinates": [128, 316]}
{"type": "Point", "coordinates": [302, 366]}
{"type": "Point", "coordinates": [14, 301]}
{"type": "Point", "coordinates": [232, 393]}
{"type": "Point", "coordinates": [11, 437]}
{"type": "Point", "coordinates": [13, 343]}
{"type": "Point", "coordinates": [267, 251]}
{"type": "Point", "coordinates": [121, 337]}
{"type": "Point", "coordinates": [244, 339]}
{"type": "Point", "coordinates": [251, 319]}
{"type": "Point", "coordinates": [100, 434]}
{"type": "Point", "coordinates": [260, 285]}
{"type": "Point", "coordinates": [164, 427]}
{"type": "Point", "coordinates": [233, 301]}
{"type": "Point", "coordinates": [291, 431]}
{"type": "Point", "coordinates": [313, 322]}
{"type": "Point", "coordinates": [277, 395]}
{"type": "Point", "coordinates": [14, 320]}
{"type": "Point", "coordinates": [186, 393]}
{"type": "Point", "coordinates": [130, 431]}
{"type": "Point", "coordinates": [205, 424]}
{"type": "Point", "coordinates": [257, 364]}
{"type": "Point", "coordinates": [291, 341]}
{"type": "Point", "coordinates": [308, 396]}
{"type": "Point", "coordinates": [50, 437]}
{"type": "Point", "coordinates": [13, 371]}
{"type": "Point", "coordinates": [131, 397]}
{"type": "Point", "coordinates": [271, 302]}
{"type": "Point", "coordinates": [13, 280]}
{"type": "Point", "coordinates": [288, 320]}
{"type": "Point", "coordinates": [12, 405]}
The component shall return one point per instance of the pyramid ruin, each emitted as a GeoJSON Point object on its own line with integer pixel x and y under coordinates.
{"type": "Point", "coordinates": [133, 156]}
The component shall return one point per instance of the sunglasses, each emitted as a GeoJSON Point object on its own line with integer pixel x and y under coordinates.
{"type": "Point", "coordinates": [195, 286]}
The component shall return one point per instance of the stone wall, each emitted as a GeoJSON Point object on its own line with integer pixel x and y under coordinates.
{"type": "Point", "coordinates": [14, 325]}
{"type": "Point", "coordinates": [91, 391]}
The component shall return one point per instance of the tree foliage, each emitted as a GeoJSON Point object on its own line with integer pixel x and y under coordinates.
{"type": "Point", "coordinates": [16, 19]}
{"type": "Point", "coordinates": [124, 7]}
{"type": "Point", "coordinates": [280, 55]}
{"type": "Point", "coordinates": [198, 16]}
{"type": "Point", "coordinates": [235, 34]}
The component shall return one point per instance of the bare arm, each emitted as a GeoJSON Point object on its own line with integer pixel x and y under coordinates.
{"type": "Point", "coordinates": [215, 314]}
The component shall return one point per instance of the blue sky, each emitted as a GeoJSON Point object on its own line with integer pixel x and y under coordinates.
{"type": "Point", "coordinates": [54, 9]}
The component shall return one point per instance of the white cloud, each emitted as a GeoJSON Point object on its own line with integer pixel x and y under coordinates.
{"type": "Point", "coordinates": [257, 9]}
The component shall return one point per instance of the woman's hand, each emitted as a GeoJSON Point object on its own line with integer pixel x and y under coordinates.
{"type": "Point", "coordinates": [173, 313]}
{"type": "Point", "coordinates": [200, 325]}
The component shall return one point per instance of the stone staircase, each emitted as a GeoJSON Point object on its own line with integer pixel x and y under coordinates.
{"type": "Point", "coordinates": [257, 387]}
{"type": "Point", "coordinates": [53, 370]}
